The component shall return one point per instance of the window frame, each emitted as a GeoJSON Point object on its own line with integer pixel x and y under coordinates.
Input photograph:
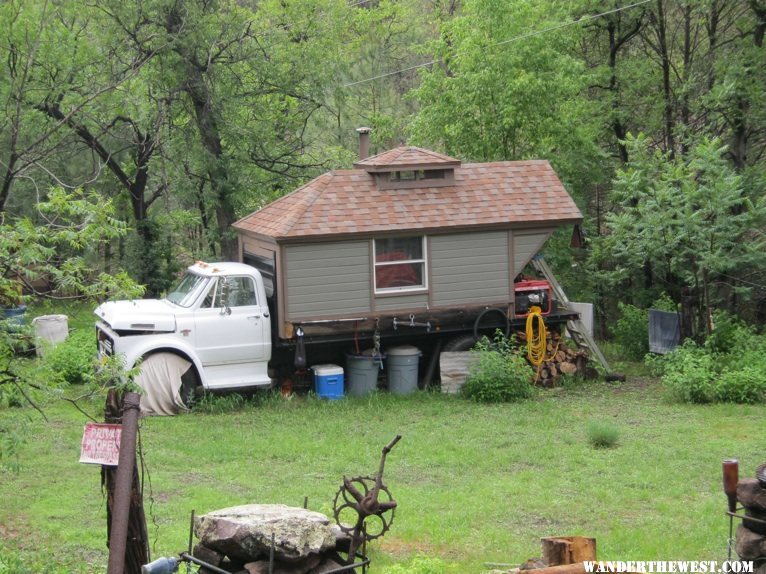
{"type": "Point", "coordinates": [423, 288]}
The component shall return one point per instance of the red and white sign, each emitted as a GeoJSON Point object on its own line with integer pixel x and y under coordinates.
{"type": "Point", "coordinates": [101, 444]}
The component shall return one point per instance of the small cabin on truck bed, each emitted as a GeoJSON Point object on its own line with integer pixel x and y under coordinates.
{"type": "Point", "coordinates": [407, 238]}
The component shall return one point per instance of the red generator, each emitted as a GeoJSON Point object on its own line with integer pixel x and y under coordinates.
{"type": "Point", "coordinates": [532, 293]}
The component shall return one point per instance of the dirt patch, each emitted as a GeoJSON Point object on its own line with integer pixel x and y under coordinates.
{"type": "Point", "coordinates": [402, 548]}
{"type": "Point", "coordinates": [635, 385]}
{"type": "Point", "coordinates": [14, 528]}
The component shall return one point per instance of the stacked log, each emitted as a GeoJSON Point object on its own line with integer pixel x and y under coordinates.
{"type": "Point", "coordinates": [560, 359]}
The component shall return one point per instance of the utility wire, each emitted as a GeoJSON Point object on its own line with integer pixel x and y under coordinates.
{"type": "Point", "coordinates": [746, 282]}
{"type": "Point", "coordinates": [502, 43]}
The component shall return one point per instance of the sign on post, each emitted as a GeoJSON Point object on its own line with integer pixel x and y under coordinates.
{"type": "Point", "coordinates": [101, 444]}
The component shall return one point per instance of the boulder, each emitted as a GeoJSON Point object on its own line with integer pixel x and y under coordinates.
{"type": "Point", "coordinates": [751, 495]}
{"type": "Point", "coordinates": [207, 554]}
{"type": "Point", "coordinates": [750, 545]}
{"type": "Point", "coordinates": [245, 532]}
{"type": "Point", "coordinates": [327, 565]}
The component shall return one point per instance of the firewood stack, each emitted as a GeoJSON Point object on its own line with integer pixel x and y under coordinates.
{"type": "Point", "coordinates": [560, 360]}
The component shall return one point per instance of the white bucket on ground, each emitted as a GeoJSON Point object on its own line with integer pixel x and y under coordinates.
{"type": "Point", "coordinates": [50, 330]}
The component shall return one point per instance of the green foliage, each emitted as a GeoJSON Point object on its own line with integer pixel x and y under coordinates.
{"type": "Point", "coordinates": [73, 224]}
{"type": "Point", "coordinates": [684, 219]}
{"type": "Point", "coordinates": [10, 440]}
{"type": "Point", "coordinates": [730, 334]}
{"type": "Point", "coordinates": [631, 331]}
{"type": "Point", "coordinates": [745, 385]}
{"type": "Point", "coordinates": [500, 372]}
{"type": "Point", "coordinates": [20, 562]}
{"type": "Point", "coordinates": [602, 434]}
{"type": "Point", "coordinates": [73, 360]}
{"type": "Point", "coordinates": [56, 249]}
{"type": "Point", "coordinates": [689, 374]}
{"type": "Point", "coordinates": [729, 367]}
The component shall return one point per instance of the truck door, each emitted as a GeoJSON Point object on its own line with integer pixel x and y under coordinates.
{"type": "Point", "coordinates": [236, 333]}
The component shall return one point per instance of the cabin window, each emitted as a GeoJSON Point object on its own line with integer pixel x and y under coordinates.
{"type": "Point", "coordinates": [400, 264]}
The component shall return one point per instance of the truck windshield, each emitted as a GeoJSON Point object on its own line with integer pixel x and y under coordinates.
{"type": "Point", "coordinates": [187, 290]}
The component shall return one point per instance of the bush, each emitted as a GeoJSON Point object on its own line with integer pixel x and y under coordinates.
{"type": "Point", "coordinates": [729, 367]}
{"type": "Point", "coordinates": [602, 434]}
{"type": "Point", "coordinates": [745, 385]}
{"type": "Point", "coordinates": [631, 331]}
{"type": "Point", "coordinates": [72, 361]}
{"type": "Point", "coordinates": [689, 374]}
{"type": "Point", "coordinates": [500, 373]}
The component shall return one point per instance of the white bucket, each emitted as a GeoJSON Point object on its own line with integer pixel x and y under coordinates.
{"type": "Point", "coordinates": [50, 330]}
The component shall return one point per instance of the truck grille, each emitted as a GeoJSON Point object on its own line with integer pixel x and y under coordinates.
{"type": "Point", "coordinates": [105, 343]}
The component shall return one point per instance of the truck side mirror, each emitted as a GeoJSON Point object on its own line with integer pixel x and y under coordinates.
{"type": "Point", "coordinates": [225, 292]}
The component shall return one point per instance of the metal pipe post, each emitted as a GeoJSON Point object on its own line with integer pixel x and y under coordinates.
{"type": "Point", "coordinates": [123, 484]}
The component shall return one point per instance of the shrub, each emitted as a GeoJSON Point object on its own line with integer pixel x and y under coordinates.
{"type": "Point", "coordinates": [500, 373]}
{"type": "Point", "coordinates": [729, 367]}
{"type": "Point", "coordinates": [631, 331]}
{"type": "Point", "coordinates": [689, 374]}
{"type": "Point", "coordinates": [602, 434]}
{"type": "Point", "coordinates": [745, 385]}
{"type": "Point", "coordinates": [730, 335]}
{"type": "Point", "coordinates": [72, 361]}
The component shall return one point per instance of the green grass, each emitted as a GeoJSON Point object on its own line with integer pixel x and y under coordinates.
{"type": "Point", "coordinates": [602, 434]}
{"type": "Point", "coordinates": [475, 483]}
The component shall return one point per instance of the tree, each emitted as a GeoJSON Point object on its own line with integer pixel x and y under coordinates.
{"type": "Point", "coordinates": [690, 218]}
{"type": "Point", "coordinates": [55, 250]}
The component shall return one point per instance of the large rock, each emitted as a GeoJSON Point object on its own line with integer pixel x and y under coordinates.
{"type": "Point", "coordinates": [245, 532]}
{"type": "Point", "coordinates": [750, 545]}
{"type": "Point", "coordinates": [751, 495]}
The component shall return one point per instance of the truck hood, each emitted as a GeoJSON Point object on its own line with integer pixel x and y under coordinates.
{"type": "Point", "coordinates": [138, 315]}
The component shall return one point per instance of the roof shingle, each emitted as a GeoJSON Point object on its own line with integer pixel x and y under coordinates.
{"type": "Point", "coordinates": [404, 157]}
{"type": "Point", "coordinates": [484, 194]}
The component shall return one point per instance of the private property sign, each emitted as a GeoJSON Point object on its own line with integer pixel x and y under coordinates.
{"type": "Point", "coordinates": [101, 444]}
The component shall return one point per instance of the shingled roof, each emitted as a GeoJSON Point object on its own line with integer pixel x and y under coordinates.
{"type": "Point", "coordinates": [406, 157]}
{"type": "Point", "coordinates": [349, 202]}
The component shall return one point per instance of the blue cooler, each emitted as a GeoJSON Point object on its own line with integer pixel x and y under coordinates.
{"type": "Point", "coordinates": [328, 381]}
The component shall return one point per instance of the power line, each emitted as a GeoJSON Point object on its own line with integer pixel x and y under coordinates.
{"type": "Point", "coordinates": [502, 43]}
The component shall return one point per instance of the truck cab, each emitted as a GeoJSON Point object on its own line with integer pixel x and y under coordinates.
{"type": "Point", "coordinates": [216, 317]}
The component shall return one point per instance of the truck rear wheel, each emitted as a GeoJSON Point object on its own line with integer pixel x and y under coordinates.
{"type": "Point", "coordinates": [459, 343]}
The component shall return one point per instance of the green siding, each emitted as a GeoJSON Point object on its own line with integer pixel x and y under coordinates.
{"type": "Point", "coordinates": [469, 268]}
{"type": "Point", "coordinates": [327, 279]}
{"type": "Point", "coordinates": [406, 302]}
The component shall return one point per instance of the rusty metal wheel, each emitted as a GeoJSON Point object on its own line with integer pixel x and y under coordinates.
{"type": "Point", "coordinates": [346, 513]}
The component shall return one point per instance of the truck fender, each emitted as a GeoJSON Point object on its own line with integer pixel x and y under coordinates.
{"type": "Point", "coordinates": [166, 345]}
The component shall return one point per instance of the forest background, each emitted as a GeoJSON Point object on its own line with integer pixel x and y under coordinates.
{"type": "Point", "coordinates": [133, 133]}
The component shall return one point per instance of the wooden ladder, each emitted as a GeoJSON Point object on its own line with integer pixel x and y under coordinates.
{"type": "Point", "coordinates": [575, 327]}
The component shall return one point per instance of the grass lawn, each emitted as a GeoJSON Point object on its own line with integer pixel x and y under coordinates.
{"type": "Point", "coordinates": [475, 483]}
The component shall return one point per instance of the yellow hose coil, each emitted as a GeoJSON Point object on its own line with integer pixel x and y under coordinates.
{"type": "Point", "coordinates": [536, 337]}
